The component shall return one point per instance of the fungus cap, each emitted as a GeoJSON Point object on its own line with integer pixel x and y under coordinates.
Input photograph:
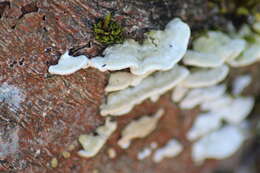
{"type": "Point", "coordinates": [172, 149]}
{"type": "Point", "coordinates": [161, 51]}
{"type": "Point", "coordinates": [205, 77]}
{"type": "Point", "coordinates": [121, 102]}
{"type": "Point", "coordinates": [68, 64]}
{"type": "Point", "coordinates": [139, 128]}
{"type": "Point", "coordinates": [179, 93]}
{"type": "Point", "coordinates": [216, 145]}
{"type": "Point", "coordinates": [92, 144]}
{"type": "Point", "coordinates": [121, 80]}
{"type": "Point", "coordinates": [199, 95]}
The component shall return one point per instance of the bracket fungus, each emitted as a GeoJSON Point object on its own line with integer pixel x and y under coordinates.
{"type": "Point", "coordinates": [154, 70]}
{"type": "Point", "coordinates": [204, 123]}
{"type": "Point", "coordinates": [93, 143]}
{"type": "Point", "coordinates": [171, 149]}
{"type": "Point", "coordinates": [178, 93]}
{"type": "Point", "coordinates": [216, 145]}
{"type": "Point", "coordinates": [213, 50]}
{"type": "Point", "coordinates": [139, 128]}
{"type": "Point", "coordinates": [232, 110]}
{"type": "Point", "coordinates": [161, 51]}
{"type": "Point", "coordinates": [121, 102]}
{"type": "Point", "coordinates": [206, 77]}
{"type": "Point", "coordinates": [240, 83]}
{"type": "Point", "coordinates": [121, 80]}
{"type": "Point", "coordinates": [68, 64]}
{"type": "Point", "coordinates": [199, 95]}
{"type": "Point", "coordinates": [251, 54]}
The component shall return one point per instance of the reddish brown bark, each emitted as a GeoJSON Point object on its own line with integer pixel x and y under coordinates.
{"type": "Point", "coordinates": [57, 109]}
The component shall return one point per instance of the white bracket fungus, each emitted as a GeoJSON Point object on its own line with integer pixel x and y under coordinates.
{"type": "Point", "coordinates": [171, 149]}
{"type": "Point", "coordinates": [68, 64]}
{"type": "Point", "coordinates": [220, 144]}
{"type": "Point", "coordinates": [199, 95]}
{"type": "Point", "coordinates": [238, 110]}
{"type": "Point", "coordinates": [178, 93]}
{"type": "Point", "coordinates": [205, 77]}
{"type": "Point", "coordinates": [248, 57]}
{"type": "Point", "coordinates": [213, 50]}
{"type": "Point", "coordinates": [146, 152]}
{"type": "Point", "coordinates": [251, 54]}
{"type": "Point", "coordinates": [122, 80]}
{"type": "Point", "coordinates": [161, 51]}
{"type": "Point", "coordinates": [204, 123]}
{"type": "Point", "coordinates": [123, 101]}
{"type": "Point", "coordinates": [93, 143]}
{"type": "Point", "coordinates": [240, 83]}
{"type": "Point", "coordinates": [139, 128]}
{"type": "Point", "coordinates": [233, 111]}
{"type": "Point", "coordinates": [217, 104]}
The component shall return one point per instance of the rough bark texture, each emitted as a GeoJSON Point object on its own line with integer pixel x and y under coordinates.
{"type": "Point", "coordinates": [54, 110]}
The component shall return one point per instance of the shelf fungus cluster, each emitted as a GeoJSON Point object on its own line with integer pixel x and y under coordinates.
{"type": "Point", "coordinates": [163, 63]}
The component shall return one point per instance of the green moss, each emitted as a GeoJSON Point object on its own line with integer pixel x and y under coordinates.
{"type": "Point", "coordinates": [108, 31]}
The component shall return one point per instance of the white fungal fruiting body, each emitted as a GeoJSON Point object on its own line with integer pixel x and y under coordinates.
{"type": "Point", "coordinates": [204, 123]}
{"type": "Point", "coordinates": [68, 64]}
{"type": "Point", "coordinates": [199, 95]}
{"type": "Point", "coordinates": [240, 83]}
{"type": "Point", "coordinates": [219, 144]}
{"type": "Point", "coordinates": [92, 144]}
{"type": "Point", "coordinates": [251, 54]}
{"type": "Point", "coordinates": [139, 129]}
{"type": "Point", "coordinates": [238, 110]}
{"type": "Point", "coordinates": [161, 51]}
{"type": "Point", "coordinates": [213, 50]}
{"type": "Point", "coordinates": [146, 152]}
{"type": "Point", "coordinates": [171, 149]}
{"type": "Point", "coordinates": [248, 57]}
{"type": "Point", "coordinates": [123, 101]}
{"type": "Point", "coordinates": [178, 93]}
{"type": "Point", "coordinates": [232, 110]}
{"type": "Point", "coordinates": [205, 77]}
{"type": "Point", "coordinates": [121, 80]}
{"type": "Point", "coordinates": [217, 104]}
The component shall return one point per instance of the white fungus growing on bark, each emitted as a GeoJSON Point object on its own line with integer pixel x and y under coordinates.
{"type": "Point", "coordinates": [68, 64]}
{"type": "Point", "coordinates": [139, 128]}
{"type": "Point", "coordinates": [93, 143]}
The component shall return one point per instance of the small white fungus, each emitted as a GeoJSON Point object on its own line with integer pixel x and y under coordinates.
{"type": "Point", "coordinates": [93, 143]}
{"type": "Point", "coordinates": [68, 64]}
{"type": "Point", "coordinates": [205, 77]}
{"type": "Point", "coordinates": [121, 102]}
{"type": "Point", "coordinates": [178, 93]}
{"type": "Point", "coordinates": [220, 144]}
{"type": "Point", "coordinates": [199, 95]}
{"type": "Point", "coordinates": [122, 80]}
{"type": "Point", "coordinates": [204, 123]}
{"type": "Point", "coordinates": [213, 50]}
{"type": "Point", "coordinates": [139, 128]}
{"type": "Point", "coordinates": [172, 149]}
{"type": "Point", "coordinates": [240, 83]}
{"type": "Point", "coordinates": [146, 152]}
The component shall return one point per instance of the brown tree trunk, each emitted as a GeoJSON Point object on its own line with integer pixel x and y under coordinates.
{"type": "Point", "coordinates": [43, 114]}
